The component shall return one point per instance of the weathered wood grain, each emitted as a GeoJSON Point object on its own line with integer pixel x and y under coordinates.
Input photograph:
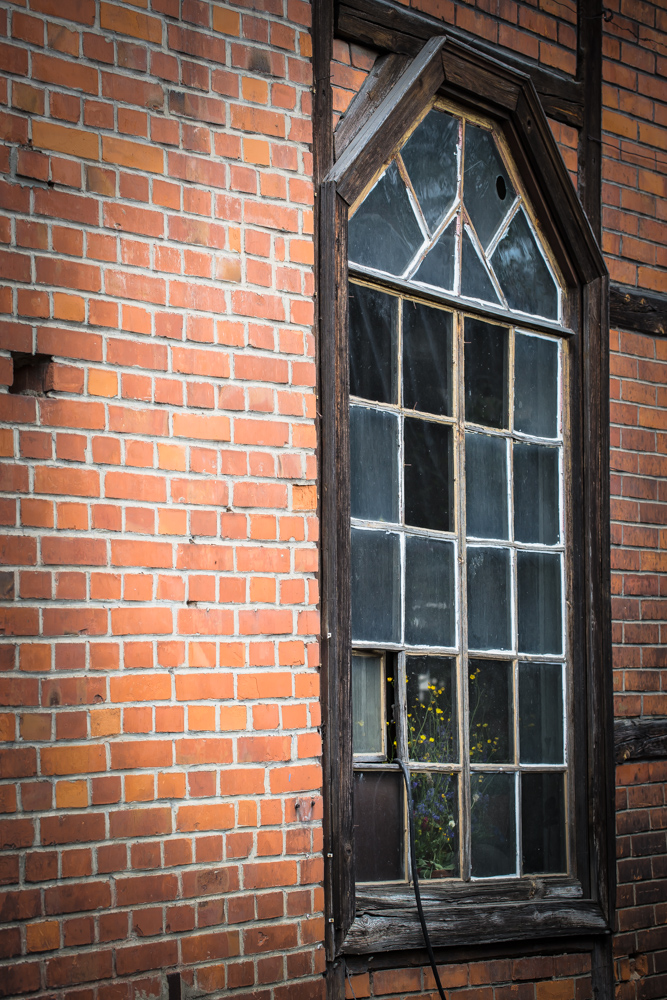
{"type": "Point", "coordinates": [640, 739]}
{"type": "Point", "coordinates": [638, 311]}
{"type": "Point", "coordinates": [388, 27]}
{"type": "Point", "coordinates": [382, 77]}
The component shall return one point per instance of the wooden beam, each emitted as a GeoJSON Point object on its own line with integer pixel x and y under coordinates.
{"type": "Point", "coordinates": [640, 739]}
{"type": "Point", "coordinates": [384, 74]}
{"type": "Point", "coordinates": [638, 311]}
{"type": "Point", "coordinates": [589, 74]}
{"type": "Point", "coordinates": [376, 140]}
{"type": "Point", "coordinates": [389, 27]}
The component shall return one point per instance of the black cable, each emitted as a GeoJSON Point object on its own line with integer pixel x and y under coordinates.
{"type": "Point", "coordinates": [415, 880]}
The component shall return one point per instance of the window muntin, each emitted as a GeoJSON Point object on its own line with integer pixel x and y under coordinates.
{"type": "Point", "coordinates": [446, 213]}
{"type": "Point", "coordinates": [458, 575]}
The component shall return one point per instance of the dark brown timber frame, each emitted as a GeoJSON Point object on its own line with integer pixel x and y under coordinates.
{"type": "Point", "coordinates": [384, 918]}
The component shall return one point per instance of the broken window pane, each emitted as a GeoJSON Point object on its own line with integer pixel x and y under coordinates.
{"type": "Point", "coordinates": [435, 805]}
{"type": "Point", "coordinates": [431, 708]}
{"type": "Point", "coordinates": [488, 193]}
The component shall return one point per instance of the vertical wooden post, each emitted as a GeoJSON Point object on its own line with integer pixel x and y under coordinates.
{"type": "Point", "coordinates": [589, 72]}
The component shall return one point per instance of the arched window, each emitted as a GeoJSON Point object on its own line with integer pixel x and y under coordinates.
{"type": "Point", "coordinates": [465, 617]}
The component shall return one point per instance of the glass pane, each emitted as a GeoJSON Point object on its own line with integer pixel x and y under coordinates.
{"type": "Point", "coordinates": [384, 232]}
{"type": "Point", "coordinates": [373, 344]}
{"type": "Point", "coordinates": [373, 464]}
{"type": "Point", "coordinates": [430, 157]}
{"type": "Point", "coordinates": [486, 486]}
{"type": "Point", "coordinates": [475, 281]}
{"type": "Point", "coordinates": [431, 704]}
{"type": "Point", "coordinates": [437, 267]}
{"type": "Point", "coordinates": [539, 602]}
{"type": "Point", "coordinates": [378, 826]}
{"type": "Point", "coordinates": [543, 822]}
{"type": "Point", "coordinates": [427, 359]}
{"type": "Point", "coordinates": [536, 482]}
{"type": "Point", "coordinates": [523, 272]}
{"type": "Point", "coordinates": [486, 383]}
{"type": "Point", "coordinates": [489, 619]}
{"type": "Point", "coordinates": [367, 712]}
{"type": "Point", "coordinates": [491, 712]}
{"type": "Point", "coordinates": [493, 825]}
{"type": "Point", "coordinates": [375, 586]}
{"type": "Point", "coordinates": [430, 613]}
{"type": "Point", "coordinates": [536, 386]}
{"type": "Point", "coordinates": [487, 190]}
{"type": "Point", "coordinates": [435, 807]}
{"type": "Point", "coordinates": [427, 475]}
{"type": "Point", "coordinates": [541, 713]}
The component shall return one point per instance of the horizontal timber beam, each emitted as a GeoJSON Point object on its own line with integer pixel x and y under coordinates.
{"type": "Point", "coordinates": [637, 311]}
{"type": "Point", "coordinates": [640, 739]}
{"type": "Point", "coordinates": [388, 27]}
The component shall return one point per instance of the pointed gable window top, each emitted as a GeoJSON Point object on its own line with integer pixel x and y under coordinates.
{"type": "Point", "coordinates": [449, 213]}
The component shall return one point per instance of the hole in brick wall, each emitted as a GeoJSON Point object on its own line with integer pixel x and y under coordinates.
{"type": "Point", "coordinates": [31, 373]}
{"type": "Point", "coordinates": [174, 984]}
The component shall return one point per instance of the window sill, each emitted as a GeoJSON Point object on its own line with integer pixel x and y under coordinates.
{"type": "Point", "coordinates": [479, 913]}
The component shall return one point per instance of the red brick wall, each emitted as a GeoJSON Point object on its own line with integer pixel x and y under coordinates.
{"type": "Point", "coordinates": [159, 755]}
{"type": "Point", "coordinates": [160, 765]}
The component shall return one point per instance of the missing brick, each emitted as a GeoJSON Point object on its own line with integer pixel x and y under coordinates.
{"type": "Point", "coordinates": [174, 984]}
{"type": "Point", "coordinates": [31, 373]}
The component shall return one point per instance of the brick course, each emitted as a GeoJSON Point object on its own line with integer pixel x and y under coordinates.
{"type": "Point", "coordinates": [160, 779]}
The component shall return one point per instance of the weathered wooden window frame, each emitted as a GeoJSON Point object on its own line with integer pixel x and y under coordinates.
{"type": "Point", "coordinates": [384, 918]}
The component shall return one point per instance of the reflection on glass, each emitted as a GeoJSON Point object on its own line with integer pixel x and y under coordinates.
{"type": "Point", "coordinates": [373, 464]}
{"type": "Point", "coordinates": [435, 808]}
{"type": "Point", "coordinates": [539, 602]}
{"type": "Point", "coordinates": [373, 344]}
{"type": "Point", "coordinates": [541, 713]}
{"type": "Point", "coordinates": [486, 382]}
{"type": "Point", "coordinates": [543, 822]}
{"type": "Point", "coordinates": [378, 826]}
{"type": "Point", "coordinates": [536, 481]}
{"type": "Point", "coordinates": [523, 272]}
{"type": "Point", "coordinates": [384, 232]}
{"type": "Point", "coordinates": [430, 158]}
{"type": "Point", "coordinates": [493, 824]}
{"type": "Point", "coordinates": [427, 359]}
{"type": "Point", "coordinates": [486, 486]}
{"type": "Point", "coordinates": [431, 704]}
{"type": "Point", "coordinates": [375, 585]}
{"type": "Point", "coordinates": [488, 193]}
{"type": "Point", "coordinates": [475, 281]}
{"type": "Point", "coordinates": [489, 619]}
{"type": "Point", "coordinates": [430, 613]}
{"type": "Point", "coordinates": [427, 474]}
{"type": "Point", "coordinates": [437, 267]}
{"type": "Point", "coordinates": [535, 386]}
{"type": "Point", "coordinates": [367, 714]}
{"type": "Point", "coordinates": [491, 714]}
